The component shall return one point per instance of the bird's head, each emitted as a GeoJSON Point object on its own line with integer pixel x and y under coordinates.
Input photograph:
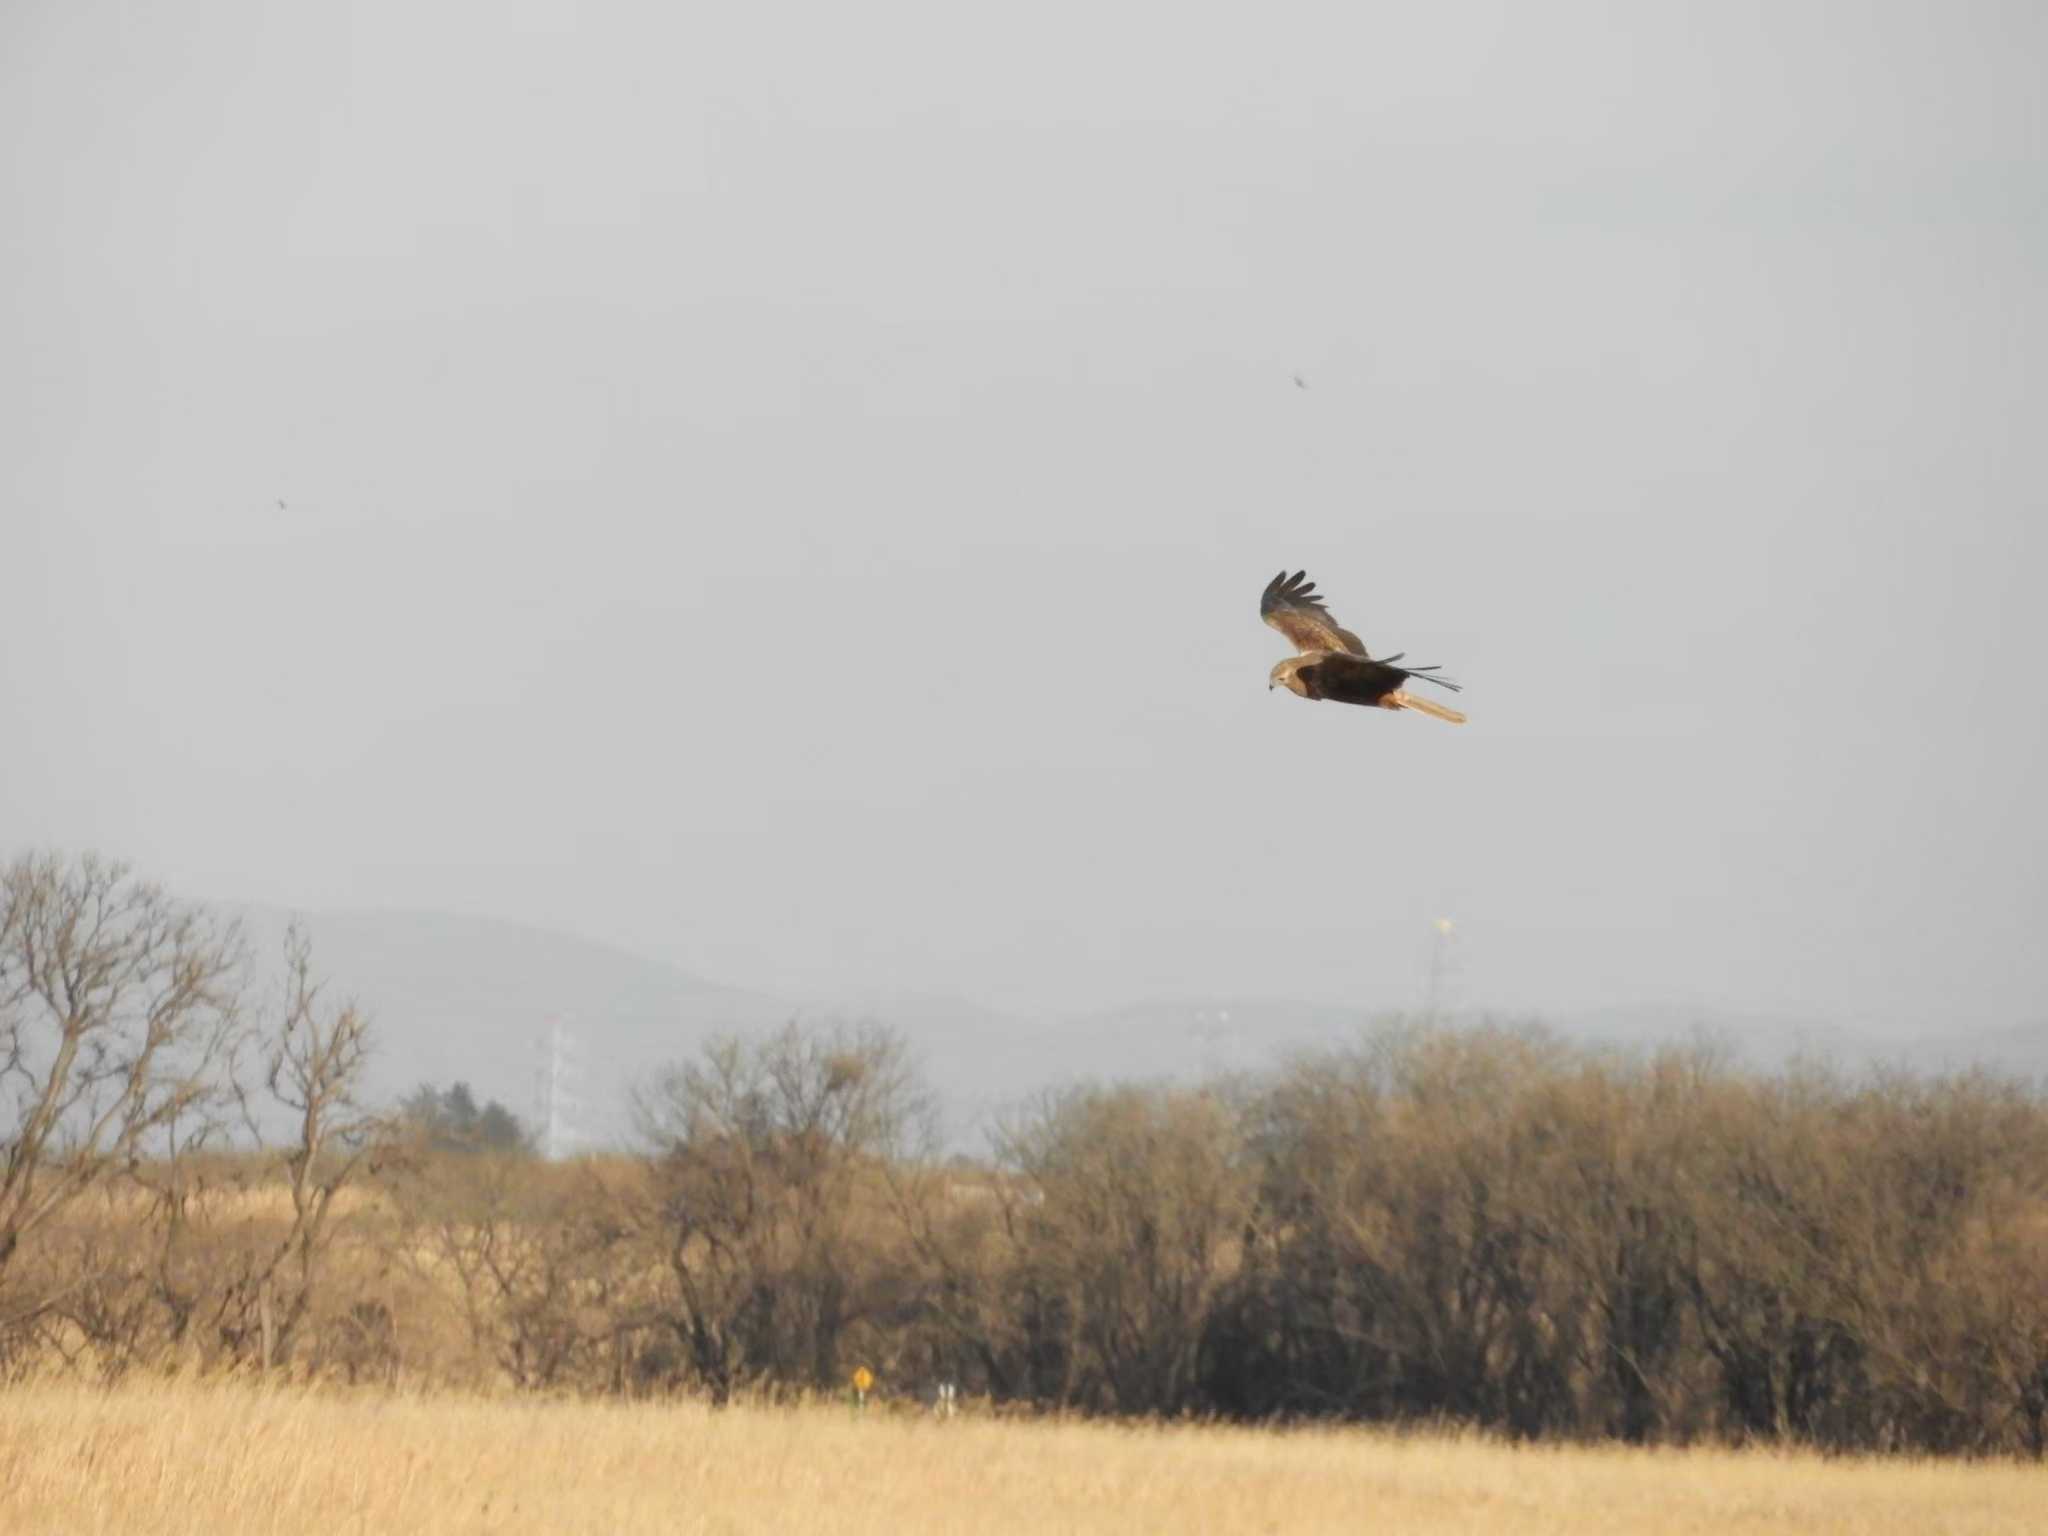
{"type": "Point", "coordinates": [1282, 675]}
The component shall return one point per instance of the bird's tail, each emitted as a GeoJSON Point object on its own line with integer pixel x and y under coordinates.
{"type": "Point", "coordinates": [1425, 706]}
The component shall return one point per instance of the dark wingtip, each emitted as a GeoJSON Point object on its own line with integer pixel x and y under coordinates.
{"type": "Point", "coordinates": [1289, 589]}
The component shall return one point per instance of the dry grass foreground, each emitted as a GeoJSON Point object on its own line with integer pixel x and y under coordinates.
{"type": "Point", "coordinates": [224, 1459]}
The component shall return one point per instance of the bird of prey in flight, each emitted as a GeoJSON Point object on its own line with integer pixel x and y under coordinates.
{"type": "Point", "coordinates": [1333, 663]}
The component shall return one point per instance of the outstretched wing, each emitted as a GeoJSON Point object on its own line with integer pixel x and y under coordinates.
{"type": "Point", "coordinates": [1291, 606]}
{"type": "Point", "coordinates": [1362, 680]}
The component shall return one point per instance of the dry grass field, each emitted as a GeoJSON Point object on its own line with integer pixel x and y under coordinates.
{"type": "Point", "coordinates": [220, 1459]}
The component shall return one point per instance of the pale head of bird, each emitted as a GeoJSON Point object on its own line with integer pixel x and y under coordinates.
{"type": "Point", "coordinates": [1285, 675]}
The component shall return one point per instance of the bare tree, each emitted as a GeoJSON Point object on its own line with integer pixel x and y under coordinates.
{"type": "Point", "coordinates": [1126, 1219]}
{"type": "Point", "coordinates": [535, 1255]}
{"type": "Point", "coordinates": [313, 1061]}
{"type": "Point", "coordinates": [118, 1013]}
{"type": "Point", "coordinates": [766, 1156]}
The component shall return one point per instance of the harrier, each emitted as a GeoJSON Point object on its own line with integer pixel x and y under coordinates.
{"type": "Point", "coordinates": [1333, 663]}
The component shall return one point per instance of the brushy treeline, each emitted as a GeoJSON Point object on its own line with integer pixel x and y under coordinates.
{"type": "Point", "coordinates": [1483, 1226]}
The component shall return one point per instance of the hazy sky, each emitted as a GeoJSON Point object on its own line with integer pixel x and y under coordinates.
{"type": "Point", "coordinates": [786, 487]}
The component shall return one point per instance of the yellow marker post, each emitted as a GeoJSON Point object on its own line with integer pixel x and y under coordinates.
{"type": "Point", "coordinates": [863, 1383]}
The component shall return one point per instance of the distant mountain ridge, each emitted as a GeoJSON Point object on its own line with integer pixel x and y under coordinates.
{"type": "Point", "coordinates": [472, 999]}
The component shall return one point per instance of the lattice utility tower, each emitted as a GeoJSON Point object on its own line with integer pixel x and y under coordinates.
{"type": "Point", "coordinates": [1218, 1038]}
{"type": "Point", "coordinates": [554, 1098]}
{"type": "Point", "coordinates": [1443, 967]}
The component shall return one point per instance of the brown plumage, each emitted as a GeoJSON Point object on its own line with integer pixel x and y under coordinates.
{"type": "Point", "coordinates": [1333, 663]}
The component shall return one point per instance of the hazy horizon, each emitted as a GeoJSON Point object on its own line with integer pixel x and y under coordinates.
{"type": "Point", "coordinates": [786, 493]}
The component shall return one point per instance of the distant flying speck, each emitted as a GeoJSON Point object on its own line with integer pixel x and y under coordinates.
{"type": "Point", "coordinates": [280, 504]}
{"type": "Point", "coordinates": [1333, 663]}
{"type": "Point", "coordinates": [1300, 382]}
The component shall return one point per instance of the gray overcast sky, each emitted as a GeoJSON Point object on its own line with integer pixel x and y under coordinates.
{"type": "Point", "coordinates": [786, 487]}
